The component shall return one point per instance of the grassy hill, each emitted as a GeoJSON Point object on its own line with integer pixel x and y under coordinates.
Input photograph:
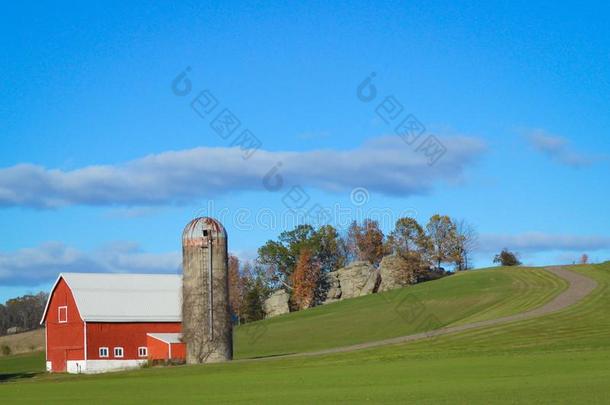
{"type": "Point", "coordinates": [461, 298]}
{"type": "Point", "coordinates": [557, 358]}
{"type": "Point", "coordinates": [25, 342]}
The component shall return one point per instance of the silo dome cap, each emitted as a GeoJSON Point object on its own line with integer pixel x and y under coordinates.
{"type": "Point", "coordinates": [202, 227]}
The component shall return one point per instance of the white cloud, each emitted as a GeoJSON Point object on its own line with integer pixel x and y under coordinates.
{"type": "Point", "coordinates": [33, 266]}
{"type": "Point", "coordinates": [385, 165]}
{"type": "Point", "coordinates": [542, 242]}
{"type": "Point", "coordinates": [559, 149]}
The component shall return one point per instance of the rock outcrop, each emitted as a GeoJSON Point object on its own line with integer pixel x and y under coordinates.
{"type": "Point", "coordinates": [395, 273]}
{"type": "Point", "coordinates": [276, 304]}
{"type": "Point", "coordinates": [355, 280]}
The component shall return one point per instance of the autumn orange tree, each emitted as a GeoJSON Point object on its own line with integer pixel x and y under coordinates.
{"type": "Point", "coordinates": [305, 280]}
{"type": "Point", "coordinates": [366, 241]}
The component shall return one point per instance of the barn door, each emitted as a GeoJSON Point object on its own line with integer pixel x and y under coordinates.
{"type": "Point", "coordinates": [63, 361]}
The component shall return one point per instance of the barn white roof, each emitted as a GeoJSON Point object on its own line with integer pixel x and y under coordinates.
{"type": "Point", "coordinates": [105, 297]}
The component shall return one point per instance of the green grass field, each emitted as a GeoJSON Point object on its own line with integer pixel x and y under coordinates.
{"type": "Point", "coordinates": [21, 366]}
{"type": "Point", "coordinates": [558, 358]}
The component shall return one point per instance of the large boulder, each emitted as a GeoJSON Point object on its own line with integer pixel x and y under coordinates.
{"type": "Point", "coordinates": [276, 304]}
{"type": "Point", "coordinates": [395, 273]}
{"type": "Point", "coordinates": [357, 279]}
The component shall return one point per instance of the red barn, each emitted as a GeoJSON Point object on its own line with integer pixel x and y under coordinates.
{"type": "Point", "coordinates": [101, 322]}
{"type": "Point", "coordinates": [165, 346]}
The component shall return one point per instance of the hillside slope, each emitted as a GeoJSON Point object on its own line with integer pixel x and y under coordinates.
{"type": "Point", "coordinates": [24, 342]}
{"type": "Point", "coordinates": [461, 298]}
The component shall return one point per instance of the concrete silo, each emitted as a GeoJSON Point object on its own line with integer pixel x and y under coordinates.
{"type": "Point", "coordinates": [206, 318]}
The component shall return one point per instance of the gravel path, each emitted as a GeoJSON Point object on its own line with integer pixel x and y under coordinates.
{"type": "Point", "coordinates": [579, 287]}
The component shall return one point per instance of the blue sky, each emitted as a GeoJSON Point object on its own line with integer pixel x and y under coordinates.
{"type": "Point", "coordinates": [102, 164]}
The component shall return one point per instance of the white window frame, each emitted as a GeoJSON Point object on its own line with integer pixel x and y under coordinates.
{"type": "Point", "coordinates": [122, 352]}
{"type": "Point", "coordinates": [65, 308]}
{"type": "Point", "coordinates": [142, 351]}
{"type": "Point", "coordinates": [102, 355]}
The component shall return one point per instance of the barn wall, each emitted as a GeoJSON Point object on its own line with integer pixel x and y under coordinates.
{"type": "Point", "coordinates": [160, 350]}
{"type": "Point", "coordinates": [127, 335]}
{"type": "Point", "coordinates": [157, 349]}
{"type": "Point", "coordinates": [103, 366]}
{"type": "Point", "coordinates": [178, 351]}
{"type": "Point", "coordinates": [65, 341]}
{"type": "Point", "coordinates": [76, 366]}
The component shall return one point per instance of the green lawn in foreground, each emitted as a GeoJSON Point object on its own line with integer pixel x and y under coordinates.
{"type": "Point", "coordinates": [560, 358]}
{"type": "Point", "coordinates": [21, 366]}
{"type": "Point", "coordinates": [461, 298]}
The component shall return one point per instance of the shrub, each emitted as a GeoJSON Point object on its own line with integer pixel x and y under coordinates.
{"type": "Point", "coordinates": [506, 258]}
{"type": "Point", "coordinates": [5, 350]}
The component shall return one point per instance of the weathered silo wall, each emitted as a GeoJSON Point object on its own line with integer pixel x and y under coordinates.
{"type": "Point", "coordinates": [206, 318]}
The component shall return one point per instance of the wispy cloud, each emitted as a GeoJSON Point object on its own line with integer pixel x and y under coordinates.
{"type": "Point", "coordinates": [559, 149]}
{"type": "Point", "coordinates": [36, 265]}
{"type": "Point", "coordinates": [385, 165]}
{"type": "Point", "coordinates": [533, 242]}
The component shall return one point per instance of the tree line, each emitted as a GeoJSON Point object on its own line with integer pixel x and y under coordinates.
{"type": "Point", "coordinates": [298, 259]}
{"type": "Point", "coordinates": [22, 312]}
